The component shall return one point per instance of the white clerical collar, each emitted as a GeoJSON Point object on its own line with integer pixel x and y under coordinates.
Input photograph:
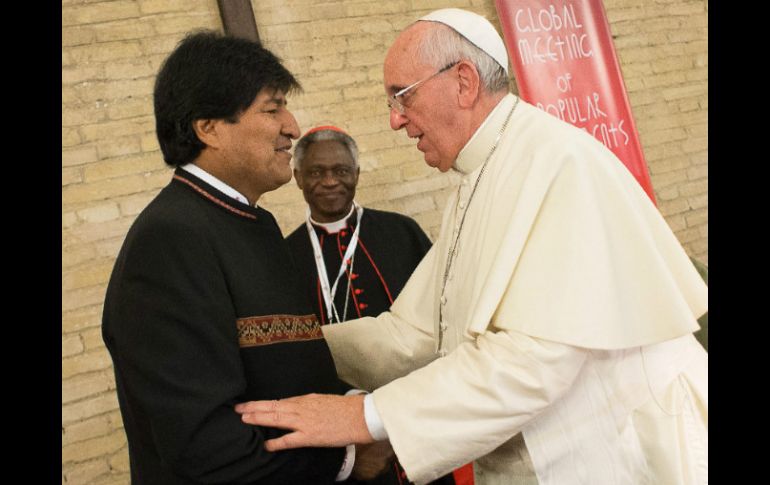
{"type": "Point", "coordinates": [336, 226]}
{"type": "Point", "coordinates": [476, 150]}
{"type": "Point", "coordinates": [215, 182]}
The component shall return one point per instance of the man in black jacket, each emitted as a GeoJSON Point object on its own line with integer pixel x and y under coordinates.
{"type": "Point", "coordinates": [204, 308]}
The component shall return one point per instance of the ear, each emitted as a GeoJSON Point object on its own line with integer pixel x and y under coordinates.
{"type": "Point", "coordinates": [206, 130]}
{"type": "Point", "coordinates": [298, 178]}
{"type": "Point", "coordinates": [358, 172]}
{"type": "Point", "coordinates": [470, 83]}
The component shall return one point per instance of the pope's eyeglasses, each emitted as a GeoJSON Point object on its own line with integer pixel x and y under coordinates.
{"type": "Point", "coordinates": [395, 101]}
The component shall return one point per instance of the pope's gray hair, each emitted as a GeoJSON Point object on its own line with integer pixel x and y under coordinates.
{"type": "Point", "coordinates": [442, 45]}
{"type": "Point", "coordinates": [324, 135]}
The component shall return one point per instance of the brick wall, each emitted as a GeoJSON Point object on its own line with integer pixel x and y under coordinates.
{"type": "Point", "coordinates": [111, 166]}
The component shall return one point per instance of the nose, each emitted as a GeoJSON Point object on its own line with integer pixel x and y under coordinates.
{"type": "Point", "coordinates": [397, 120]}
{"type": "Point", "coordinates": [290, 126]}
{"type": "Point", "coordinates": [328, 179]}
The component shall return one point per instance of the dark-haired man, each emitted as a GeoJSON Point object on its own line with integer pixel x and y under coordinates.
{"type": "Point", "coordinates": [202, 309]}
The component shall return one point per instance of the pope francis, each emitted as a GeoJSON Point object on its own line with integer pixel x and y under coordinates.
{"type": "Point", "coordinates": [547, 334]}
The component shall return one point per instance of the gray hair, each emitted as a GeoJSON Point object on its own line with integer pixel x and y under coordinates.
{"type": "Point", "coordinates": [324, 135]}
{"type": "Point", "coordinates": [442, 45]}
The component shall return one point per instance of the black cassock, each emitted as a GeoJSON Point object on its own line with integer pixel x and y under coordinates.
{"type": "Point", "coordinates": [390, 246]}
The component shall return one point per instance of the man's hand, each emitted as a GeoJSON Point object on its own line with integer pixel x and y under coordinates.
{"type": "Point", "coordinates": [317, 420]}
{"type": "Point", "coordinates": [372, 460]}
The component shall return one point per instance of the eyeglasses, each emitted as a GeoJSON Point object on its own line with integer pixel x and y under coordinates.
{"type": "Point", "coordinates": [395, 100]}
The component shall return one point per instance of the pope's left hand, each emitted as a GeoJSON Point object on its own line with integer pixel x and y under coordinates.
{"type": "Point", "coordinates": [316, 420]}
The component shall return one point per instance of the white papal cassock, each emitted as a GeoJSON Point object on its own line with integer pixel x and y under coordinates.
{"type": "Point", "coordinates": [568, 320]}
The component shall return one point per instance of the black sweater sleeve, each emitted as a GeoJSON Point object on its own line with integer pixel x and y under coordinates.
{"type": "Point", "coordinates": [169, 324]}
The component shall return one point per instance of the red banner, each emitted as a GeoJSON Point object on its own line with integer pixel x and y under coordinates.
{"type": "Point", "coordinates": [565, 64]}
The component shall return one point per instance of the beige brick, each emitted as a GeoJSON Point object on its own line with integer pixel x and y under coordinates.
{"type": "Point", "coordinates": [691, 145]}
{"type": "Point", "coordinates": [617, 15]}
{"type": "Point", "coordinates": [667, 179]}
{"type": "Point", "coordinates": [71, 175]}
{"type": "Point", "coordinates": [92, 339]}
{"type": "Point", "coordinates": [86, 472]}
{"type": "Point", "coordinates": [130, 69]}
{"type": "Point", "coordinates": [149, 143]}
{"type": "Point", "coordinates": [360, 9]}
{"type": "Point", "coordinates": [162, 6]}
{"type": "Point", "coordinates": [325, 62]}
{"type": "Point", "coordinates": [186, 23]}
{"type": "Point", "coordinates": [698, 172]}
{"type": "Point", "coordinates": [688, 235]}
{"type": "Point", "coordinates": [696, 187]}
{"type": "Point", "coordinates": [378, 177]}
{"type": "Point", "coordinates": [687, 35]}
{"type": "Point", "coordinates": [671, 207]}
{"type": "Point", "coordinates": [676, 222]}
{"type": "Point", "coordinates": [101, 91]}
{"type": "Point", "coordinates": [77, 35]}
{"type": "Point", "coordinates": [81, 298]}
{"type": "Point", "coordinates": [667, 193]}
{"type": "Point", "coordinates": [82, 318]}
{"type": "Point", "coordinates": [103, 189]}
{"type": "Point", "coordinates": [109, 248]}
{"type": "Point", "coordinates": [104, 52]}
{"type": "Point", "coordinates": [89, 113]}
{"type": "Point", "coordinates": [87, 385]}
{"type": "Point", "coordinates": [666, 79]}
{"type": "Point", "coordinates": [679, 63]}
{"type": "Point", "coordinates": [698, 74]}
{"type": "Point", "coordinates": [123, 30]}
{"type": "Point", "coordinates": [133, 205]}
{"type": "Point", "coordinates": [668, 165]}
{"type": "Point", "coordinates": [92, 274]}
{"type": "Point", "coordinates": [414, 205]}
{"type": "Point", "coordinates": [119, 461]}
{"type": "Point", "coordinates": [363, 91]}
{"type": "Point", "coordinates": [160, 44]}
{"type": "Point", "coordinates": [93, 448]}
{"type": "Point", "coordinates": [80, 411]}
{"type": "Point", "coordinates": [70, 137]}
{"type": "Point", "coordinates": [74, 75]}
{"type": "Point", "coordinates": [87, 362]}
{"type": "Point", "coordinates": [68, 219]}
{"type": "Point", "coordinates": [98, 12]}
{"type": "Point", "coordinates": [113, 479]}
{"type": "Point", "coordinates": [664, 136]}
{"type": "Point", "coordinates": [92, 232]}
{"type": "Point", "coordinates": [71, 345]}
{"type": "Point", "coordinates": [697, 217]}
{"type": "Point", "coordinates": [78, 156]}
{"type": "Point", "coordinates": [685, 8]}
{"type": "Point", "coordinates": [120, 167]}
{"type": "Point", "coordinates": [120, 145]}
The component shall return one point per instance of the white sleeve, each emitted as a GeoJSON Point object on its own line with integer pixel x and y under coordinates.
{"type": "Point", "coordinates": [465, 405]}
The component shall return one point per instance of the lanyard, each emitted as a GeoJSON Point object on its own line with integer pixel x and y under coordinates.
{"type": "Point", "coordinates": [327, 291]}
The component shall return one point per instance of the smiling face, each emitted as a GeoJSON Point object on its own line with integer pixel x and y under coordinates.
{"type": "Point", "coordinates": [252, 154]}
{"type": "Point", "coordinates": [431, 110]}
{"type": "Point", "coordinates": [328, 180]}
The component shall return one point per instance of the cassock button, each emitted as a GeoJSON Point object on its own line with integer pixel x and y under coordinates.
{"type": "Point", "coordinates": [358, 291]}
{"type": "Point", "coordinates": [362, 305]}
{"type": "Point", "coordinates": [462, 205]}
{"type": "Point", "coordinates": [353, 276]}
{"type": "Point", "coordinates": [442, 353]}
{"type": "Point", "coordinates": [343, 233]}
{"type": "Point", "coordinates": [443, 300]}
{"type": "Point", "coordinates": [343, 247]}
{"type": "Point", "coordinates": [443, 326]}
